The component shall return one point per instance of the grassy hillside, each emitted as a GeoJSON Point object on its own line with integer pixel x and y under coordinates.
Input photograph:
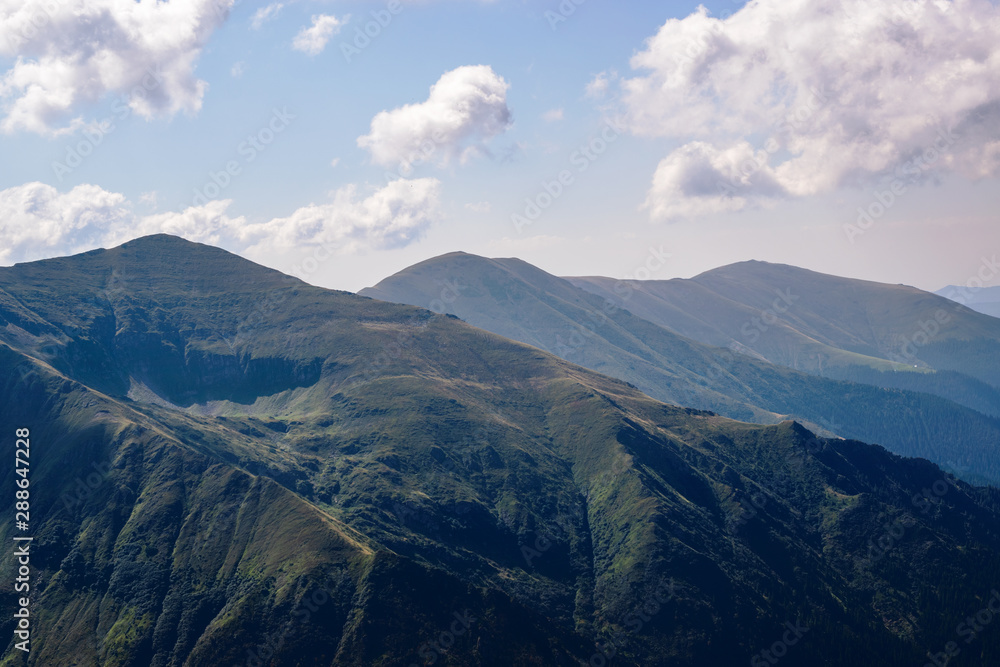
{"type": "Point", "coordinates": [451, 496]}
{"type": "Point", "coordinates": [601, 332]}
{"type": "Point", "coordinates": [827, 325]}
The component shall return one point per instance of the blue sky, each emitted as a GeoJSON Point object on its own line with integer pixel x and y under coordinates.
{"type": "Point", "coordinates": [687, 109]}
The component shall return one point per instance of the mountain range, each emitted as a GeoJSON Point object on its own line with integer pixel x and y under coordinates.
{"type": "Point", "coordinates": [230, 466]}
{"type": "Point", "coordinates": [890, 364]}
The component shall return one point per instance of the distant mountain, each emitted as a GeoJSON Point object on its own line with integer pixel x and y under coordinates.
{"type": "Point", "coordinates": [605, 332]}
{"type": "Point", "coordinates": [984, 300]}
{"type": "Point", "coordinates": [231, 467]}
{"type": "Point", "coordinates": [835, 327]}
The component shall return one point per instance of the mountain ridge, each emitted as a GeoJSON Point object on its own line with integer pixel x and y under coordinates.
{"type": "Point", "coordinates": [487, 478]}
{"type": "Point", "coordinates": [609, 330]}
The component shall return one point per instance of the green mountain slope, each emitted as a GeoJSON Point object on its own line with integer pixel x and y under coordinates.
{"type": "Point", "coordinates": [154, 550]}
{"type": "Point", "coordinates": [837, 327]}
{"type": "Point", "coordinates": [601, 332]}
{"type": "Point", "coordinates": [433, 494]}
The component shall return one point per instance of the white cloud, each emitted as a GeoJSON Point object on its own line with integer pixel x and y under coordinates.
{"type": "Point", "coordinates": [334, 162]}
{"type": "Point", "coordinates": [207, 223]}
{"type": "Point", "coordinates": [265, 14]}
{"type": "Point", "coordinates": [312, 40]}
{"type": "Point", "coordinates": [699, 179]}
{"type": "Point", "coordinates": [391, 217]}
{"type": "Point", "coordinates": [37, 221]}
{"type": "Point", "coordinates": [598, 86]}
{"type": "Point", "coordinates": [73, 53]}
{"type": "Point", "coordinates": [834, 92]}
{"type": "Point", "coordinates": [553, 115]}
{"type": "Point", "coordinates": [237, 69]}
{"type": "Point", "coordinates": [466, 107]}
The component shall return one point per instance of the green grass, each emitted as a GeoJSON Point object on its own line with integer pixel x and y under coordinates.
{"type": "Point", "coordinates": [406, 486]}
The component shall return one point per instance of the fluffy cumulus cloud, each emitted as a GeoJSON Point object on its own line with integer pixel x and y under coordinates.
{"type": "Point", "coordinates": [37, 221]}
{"type": "Point", "coordinates": [799, 97]}
{"type": "Point", "coordinates": [391, 217]}
{"type": "Point", "coordinates": [466, 107]}
{"type": "Point", "coordinates": [687, 182]}
{"type": "Point", "coordinates": [312, 40]}
{"type": "Point", "coordinates": [71, 53]}
{"type": "Point", "coordinates": [207, 223]}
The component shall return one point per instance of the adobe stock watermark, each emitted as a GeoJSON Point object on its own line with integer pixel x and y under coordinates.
{"type": "Point", "coordinates": [753, 329]}
{"type": "Point", "coordinates": [84, 487]}
{"type": "Point", "coordinates": [793, 121]}
{"type": "Point", "coordinates": [797, 457]}
{"type": "Point", "coordinates": [46, 352]}
{"type": "Point", "coordinates": [907, 174]}
{"type": "Point", "coordinates": [779, 649]}
{"type": "Point", "coordinates": [893, 533]}
{"type": "Point", "coordinates": [38, 21]}
{"type": "Point", "coordinates": [743, 514]}
{"type": "Point", "coordinates": [552, 189]}
{"type": "Point", "coordinates": [381, 18]}
{"type": "Point", "coordinates": [264, 308]}
{"type": "Point", "coordinates": [432, 651]}
{"type": "Point", "coordinates": [546, 538]}
{"type": "Point", "coordinates": [902, 13]}
{"type": "Point", "coordinates": [320, 255]}
{"type": "Point", "coordinates": [695, 47]}
{"type": "Point", "coordinates": [987, 273]}
{"type": "Point", "coordinates": [450, 292]}
{"type": "Point", "coordinates": [969, 629]}
{"type": "Point", "coordinates": [392, 351]}
{"type": "Point", "coordinates": [483, 436]}
{"type": "Point", "coordinates": [93, 135]}
{"type": "Point", "coordinates": [927, 330]}
{"type": "Point", "coordinates": [416, 157]}
{"type": "Point", "coordinates": [565, 10]}
{"type": "Point", "coordinates": [414, 513]}
{"type": "Point", "coordinates": [652, 604]}
{"type": "Point", "coordinates": [261, 312]}
{"type": "Point", "coordinates": [905, 11]}
{"type": "Point", "coordinates": [580, 333]}
{"type": "Point", "coordinates": [48, 347]}
{"type": "Point", "coordinates": [248, 150]}
{"type": "Point", "coordinates": [262, 654]}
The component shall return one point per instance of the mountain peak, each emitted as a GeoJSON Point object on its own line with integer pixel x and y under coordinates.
{"type": "Point", "coordinates": [154, 246]}
{"type": "Point", "coordinates": [176, 266]}
{"type": "Point", "coordinates": [753, 267]}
